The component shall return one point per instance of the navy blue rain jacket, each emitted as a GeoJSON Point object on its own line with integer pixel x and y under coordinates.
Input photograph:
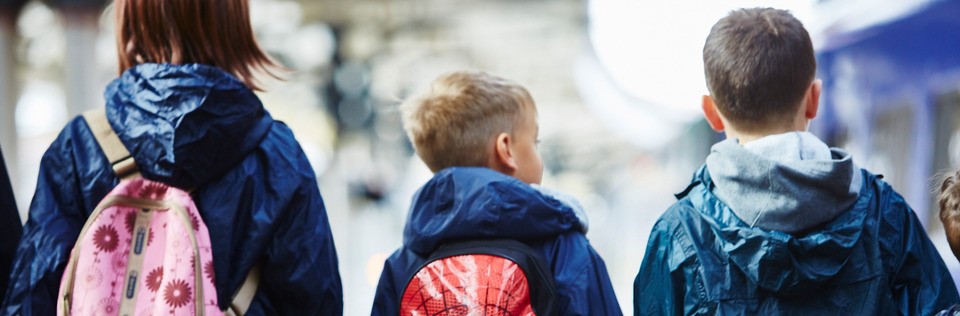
{"type": "Point", "coordinates": [9, 225]}
{"type": "Point", "coordinates": [190, 126]}
{"type": "Point", "coordinates": [475, 203]}
{"type": "Point", "coordinates": [874, 259]}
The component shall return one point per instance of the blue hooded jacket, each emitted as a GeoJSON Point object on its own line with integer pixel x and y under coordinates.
{"type": "Point", "coordinates": [190, 126]}
{"type": "Point", "coordinates": [855, 249]}
{"type": "Point", "coordinates": [474, 203]}
{"type": "Point", "coordinates": [10, 227]}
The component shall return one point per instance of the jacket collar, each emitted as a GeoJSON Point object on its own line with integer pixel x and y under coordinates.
{"type": "Point", "coordinates": [474, 203]}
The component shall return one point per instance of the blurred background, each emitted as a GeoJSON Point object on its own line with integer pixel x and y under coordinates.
{"type": "Point", "coordinates": [617, 84]}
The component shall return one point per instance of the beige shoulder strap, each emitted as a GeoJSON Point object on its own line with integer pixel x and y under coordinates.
{"type": "Point", "coordinates": [244, 296]}
{"type": "Point", "coordinates": [120, 159]}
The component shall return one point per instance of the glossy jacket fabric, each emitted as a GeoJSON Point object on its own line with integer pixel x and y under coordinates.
{"type": "Point", "coordinates": [874, 259]}
{"type": "Point", "coordinates": [193, 127]}
{"type": "Point", "coordinates": [475, 203]}
{"type": "Point", "coordinates": [10, 227]}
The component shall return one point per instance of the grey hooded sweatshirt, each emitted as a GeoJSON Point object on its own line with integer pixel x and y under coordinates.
{"type": "Point", "coordinates": [786, 182]}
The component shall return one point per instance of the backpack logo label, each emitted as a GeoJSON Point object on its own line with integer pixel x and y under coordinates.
{"type": "Point", "coordinates": [141, 233]}
{"type": "Point", "coordinates": [132, 284]}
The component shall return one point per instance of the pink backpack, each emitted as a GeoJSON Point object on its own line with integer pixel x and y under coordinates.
{"type": "Point", "coordinates": [144, 250]}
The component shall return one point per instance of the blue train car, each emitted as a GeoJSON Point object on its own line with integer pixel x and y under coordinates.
{"type": "Point", "coordinates": [892, 97]}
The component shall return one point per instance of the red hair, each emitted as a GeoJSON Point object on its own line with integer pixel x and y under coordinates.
{"type": "Point", "coordinates": [210, 32]}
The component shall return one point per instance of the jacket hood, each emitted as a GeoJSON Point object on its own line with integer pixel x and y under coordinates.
{"type": "Point", "coordinates": [788, 182]}
{"type": "Point", "coordinates": [789, 264]}
{"type": "Point", "coordinates": [472, 203]}
{"type": "Point", "coordinates": [185, 124]}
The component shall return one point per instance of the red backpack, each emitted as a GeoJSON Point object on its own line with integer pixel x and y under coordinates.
{"type": "Point", "coordinates": [481, 277]}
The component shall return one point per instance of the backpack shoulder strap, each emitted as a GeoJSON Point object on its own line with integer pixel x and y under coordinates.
{"type": "Point", "coordinates": [120, 159]}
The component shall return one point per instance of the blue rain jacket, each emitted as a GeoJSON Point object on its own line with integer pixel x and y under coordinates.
{"type": "Point", "coordinates": [191, 126]}
{"type": "Point", "coordinates": [874, 259]}
{"type": "Point", "coordinates": [10, 228]}
{"type": "Point", "coordinates": [474, 203]}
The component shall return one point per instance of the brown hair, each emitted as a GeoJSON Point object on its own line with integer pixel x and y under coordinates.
{"type": "Point", "coordinates": [950, 210]}
{"type": "Point", "coordinates": [758, 65]}
{"type": "Point", "coordinates": [454, 121]}
{"type": "Point", "coordinates": [211, 32]}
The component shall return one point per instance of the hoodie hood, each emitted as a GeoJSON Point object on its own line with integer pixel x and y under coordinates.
{"type": "Point", "coordinates": [185, 125]}
{"type": "Point", "coordinates": [473, 203]}
{"type": "Point", "coordinates": [788, 219]}
{"type": "Point", "coordinates": [787, 182]}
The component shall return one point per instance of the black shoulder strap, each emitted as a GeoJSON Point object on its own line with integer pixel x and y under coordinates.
{"type": "Point", "coordinates": [543, 288]}
{"type": "Point", "coordinates": [701, 176]}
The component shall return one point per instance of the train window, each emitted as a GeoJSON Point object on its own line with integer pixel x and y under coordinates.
{"type": "Point", "coordinates": [890, 142]}
{"type": "Point", "coordinates": [947, 147]}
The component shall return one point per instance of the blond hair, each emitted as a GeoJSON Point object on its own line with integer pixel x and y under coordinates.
{"type": "Point", "coordinates": [454, 120]}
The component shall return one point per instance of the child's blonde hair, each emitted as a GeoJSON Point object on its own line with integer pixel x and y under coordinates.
{"type": "Point", "coordinates": [453, 121]}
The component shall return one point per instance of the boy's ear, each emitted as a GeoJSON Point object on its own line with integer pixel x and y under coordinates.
{"type": "Point", "coordinates": [813, 100]}
{"type": "Point", "coordinates": [712, 114]}
{"type": "Point", "coordinates": [504, 155]}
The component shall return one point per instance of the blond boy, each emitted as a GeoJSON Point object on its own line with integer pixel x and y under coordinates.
{"type": "Point", "coordinates": [478, 134]}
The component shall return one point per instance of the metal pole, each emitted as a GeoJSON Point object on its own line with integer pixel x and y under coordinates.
{"type": "Point", "coordinates": [79, 68]}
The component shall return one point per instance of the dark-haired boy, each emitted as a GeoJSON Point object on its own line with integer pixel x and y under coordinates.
{"type": "Point", "coordinates": [776, 222]}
